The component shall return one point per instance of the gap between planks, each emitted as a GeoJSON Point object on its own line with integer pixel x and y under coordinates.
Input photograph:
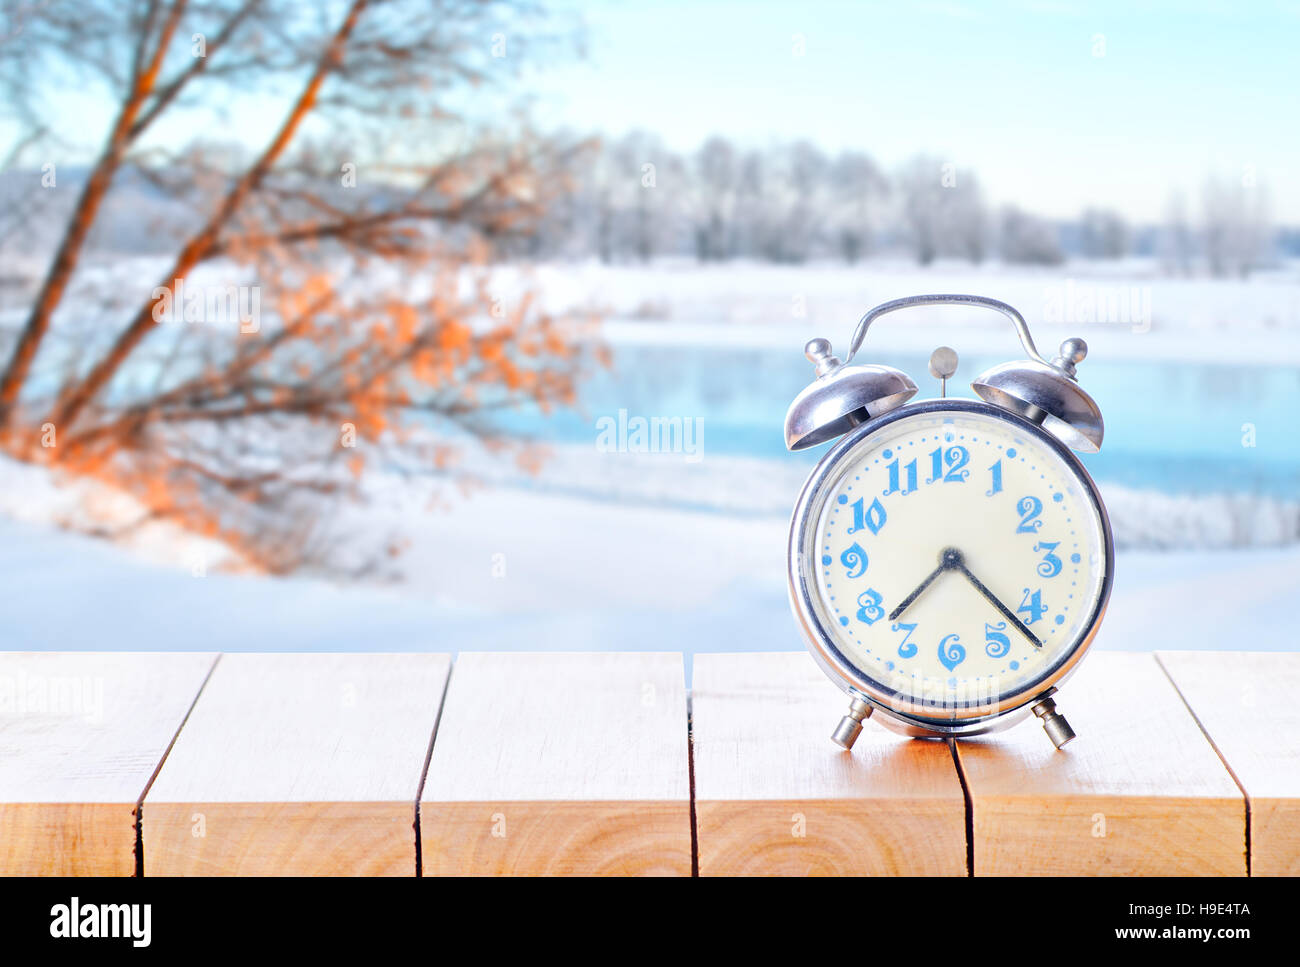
{"type": "Point", "coordinates": [139, 803]}
{"type": "Point", "coordinates": [298, 764]}
{"type": "Point", "coordinates": [424, 774]}
{"type": "Point", "coordinates": [1244, 703]}
{"type": "Point", "coordinates": [82, 735]}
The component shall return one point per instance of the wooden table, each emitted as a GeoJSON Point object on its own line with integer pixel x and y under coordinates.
{"type": "Point", "coordinates": [603, 763]}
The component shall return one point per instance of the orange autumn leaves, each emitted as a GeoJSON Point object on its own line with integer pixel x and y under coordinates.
{"type": "Point", "coordinates": [340, 381]}
{"type": "Point", "coordinates": [368, 218]}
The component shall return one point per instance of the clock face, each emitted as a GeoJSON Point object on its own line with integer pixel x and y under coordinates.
{"type": "Point", "coordinates": [955, 558]}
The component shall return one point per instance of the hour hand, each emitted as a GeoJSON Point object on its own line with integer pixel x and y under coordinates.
{"type": "Point", "coordinates": [950, 558]}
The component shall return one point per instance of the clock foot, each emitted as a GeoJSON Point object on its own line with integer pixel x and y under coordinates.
{"type": "Point", "coordinates": [850, 727]}
{"type": "Point", "coordinates": [1054, 723]}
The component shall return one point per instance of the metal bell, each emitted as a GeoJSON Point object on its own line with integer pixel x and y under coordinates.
{"type": "Point", "coordinates": [1047, 394]}
{"type": "Point", "coordinates": [841, 397]}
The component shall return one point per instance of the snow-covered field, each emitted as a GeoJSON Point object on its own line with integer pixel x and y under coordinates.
{"type": "Point", "coordinates": [627, 551]}
{"type": "Point", "coordinates": [1126, 310]}
{"type": "Point", "coordinates": [511, 570]}
{"type": "Point", "coordinates": [1142, 518]}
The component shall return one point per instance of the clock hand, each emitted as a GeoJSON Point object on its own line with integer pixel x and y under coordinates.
{"type": "Point", "coordinates": [949, 559]}
{"type": "Point", "coordinates": [992, 599]}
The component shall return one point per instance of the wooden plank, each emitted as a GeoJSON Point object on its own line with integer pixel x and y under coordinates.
{"type": "Point", "coordinates": [560, 764]}
{"type": "Point", "coordinates": [298, 764]}
{"type": "Point", "coordinates": [1139, 792]}
{"type": "Point", "coordinates": [80, 736]}
{"type": "Point", "coordinates": [774, 795]}
{"type": "Point", "coordinates": [1246, 703]}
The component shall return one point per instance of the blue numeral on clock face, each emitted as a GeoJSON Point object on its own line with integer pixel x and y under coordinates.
{"type": "Point", "coordinates": [996, 642]}
{"type": "Point", "coordinates": [855, 560]}
{"type": "Point", "coordinates": [1029, 508]}
{"type": "Point", "coordinates": [951, 652]}
{"type": "Point", "coordinates": [871, 518]}
{"type": "Point", "coordinates": [1032, 605]}
{"type": "Point", "coordinates": [894, 478]}
{"type": "Point", "coordinates": [996, 470]}
{"type": "Point", "coordinates": [1050, 565]}
{"type": "Point", "coordinates": [955, 458]}
{"type": "Point", "coordinates": [869, 609]}
{"type": "Point", "coordinates": [905, 650]}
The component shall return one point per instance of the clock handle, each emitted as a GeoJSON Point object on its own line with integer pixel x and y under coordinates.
{"type": "Point", "coordinates": [1022, 328]}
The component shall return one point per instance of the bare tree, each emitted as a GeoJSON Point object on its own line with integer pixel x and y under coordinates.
{"type": "Point", "coordinates": [627, 201]}
{"type": "Point", "coordinates": [714, 199]}
{"type": "Point", "coordinates": [1236, 226]}
{"type": "Point", "coordinates": [966, 219]}
{"type": "Point", "coordinates": [1105, 234]}
{"type": "Point", "coordinates": [639, 161]}
{"type": "Point", "coordinates": [1177, 244]}
{"type": "Point", "coordinates": [943, 211]}
{"type": "Point", "coordinates": [858, 189]}
{"type": "Point", "coordinates": [1029, 240]}
{"type": "Point", "coordinates": [797, 200]}
{"type": "Point", "coordinates": [234, 430]}
{"type": "Point", "coordinates": [749, 222]}
{"type": "Point", "coordinates": [921, 197]}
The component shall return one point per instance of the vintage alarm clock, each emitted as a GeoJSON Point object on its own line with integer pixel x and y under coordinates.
{"type": "Point", "coordinates": [950, 559]}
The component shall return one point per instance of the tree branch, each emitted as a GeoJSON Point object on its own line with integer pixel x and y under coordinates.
{"type": "Point", "coordinates": [83, 216]}
{"type": "Point", "coordinates": [200, 246]}
{"type": "Point", "coordinates": [168, 92]}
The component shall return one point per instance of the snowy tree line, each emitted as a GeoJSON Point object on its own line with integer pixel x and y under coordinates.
{"type": "Point", "coordinates": [633, 199]}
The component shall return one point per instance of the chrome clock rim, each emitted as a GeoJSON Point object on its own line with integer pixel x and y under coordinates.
{"type": "Point", "coordinates": [958, 718]}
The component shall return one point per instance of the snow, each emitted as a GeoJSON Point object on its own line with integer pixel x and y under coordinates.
{"type": "Point", "coordinates": [577, 575]}
{"type": "Point", "coordinates": [1243, 321]}
{"type": "Point", "coordinates": [631, 551]}
{"type": "Point", "coordinates": [679, 302]}
{"type": "Point", "coordinates": [751, 486]}
{"type": "Point", "coordinates": [34, 494]}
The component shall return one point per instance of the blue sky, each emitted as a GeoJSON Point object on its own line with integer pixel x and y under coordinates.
{"type": "Point", "coordinates": [1011, 89]}
{"type": "Point", "coordinates": [1055, 105]}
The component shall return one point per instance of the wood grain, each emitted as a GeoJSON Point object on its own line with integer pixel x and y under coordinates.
{"type": "Point", "coordinates": [1139, 792]}
{"type": "Point", "coordinates": [81, 733]}
{"type": "Point", "coordinates": [297, 764]}
{"type": "Point", "coordinates": [560, 764]}
{"type": "Point", "coordinates": [1246, 703]}
{"type": "Point", "coordinates": [774, 795]}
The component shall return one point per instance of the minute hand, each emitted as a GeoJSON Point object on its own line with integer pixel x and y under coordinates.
{"type": "Point", "coordinates": [993, 600]}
